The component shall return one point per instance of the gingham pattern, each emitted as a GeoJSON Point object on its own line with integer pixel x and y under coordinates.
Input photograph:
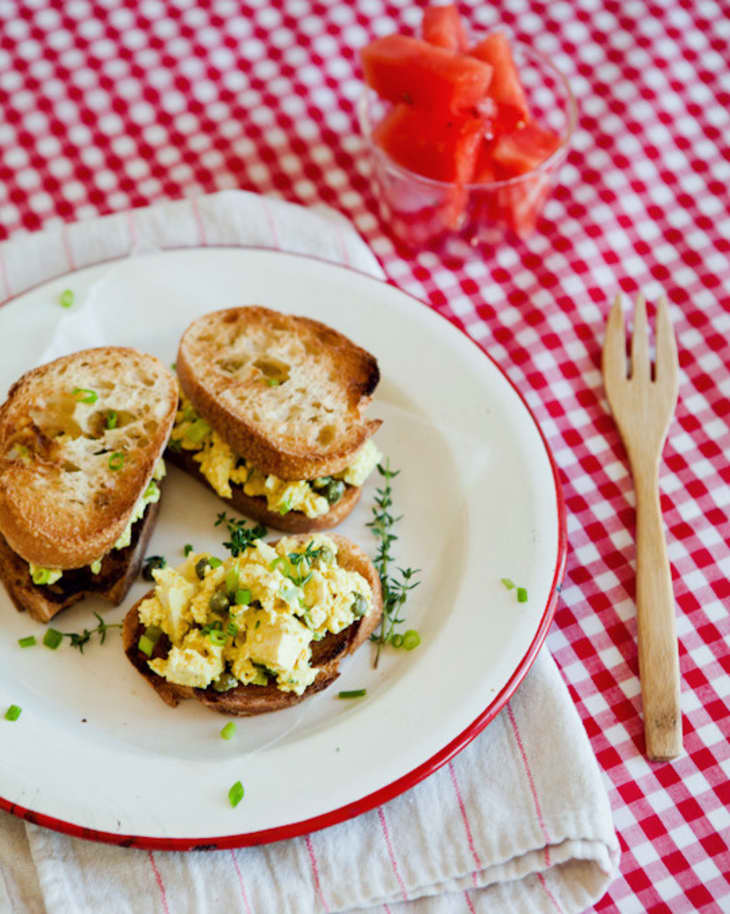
{"type": "Point", "coordinates": [117, 104]}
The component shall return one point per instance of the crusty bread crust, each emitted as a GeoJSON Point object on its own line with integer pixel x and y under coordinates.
{"type": "Point", "coordinates": [311, 424]}
{"type": "Point", "coordinates": [255, 507]}
{"type": "Point", "coordinates": [247, 700]}
{"type": "Point", "coordinates": [119, 569]}
{"type": "Point", "coordinates": [63, 506]}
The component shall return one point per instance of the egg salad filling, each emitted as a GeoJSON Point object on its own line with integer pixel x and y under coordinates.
{"type": "Point", "coordinates": [151, 494]}
{"type": "Point", "coordinates": [252, 618]}
{"type": "Point", "coordinates": [221, 467]}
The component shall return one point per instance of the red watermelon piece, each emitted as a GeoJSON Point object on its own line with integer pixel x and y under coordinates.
{"type": "Point", "coordinates": [522, 150]}
{"type": "Point", "coordinates": [505, 87]}
{"type": "Point", "coordinates": [442, 26]}
{"type": "Point", "coordinates": [404, 69]}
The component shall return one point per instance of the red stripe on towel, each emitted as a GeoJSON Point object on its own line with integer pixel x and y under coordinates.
{"type": "Point", "coordinates": [160, 883]}
{"type": "Point", "coordinates": [272, 224]}
{"type": "Point", "coordinates": [240, 882]}
{"type": "Point", "coordinates": [462, 808]}
{"type": "Point", "coordinates": [202, 239]}
{"type": "Point", "coordinates": [531, 782]}
{"type": "Point", "coordinates": [315, 871]}
{"type": "Point", "coordinates": [381, 816]}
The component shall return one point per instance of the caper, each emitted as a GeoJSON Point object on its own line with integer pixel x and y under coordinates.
{"type": "Point", "coordinates": [359, 605]}
{"type": "Point", "coordinates": [321, 482]}
{"type": "Point", "coordinates": [219, 602]}
{"type": "Point", "coordinates": [201, 567]}
{"type": "Point", "coordinates": [225, 682]}
{"type": "Point", "coordinates": [151, 563]}
{"type": "Point", "coordinates": [335, 491]}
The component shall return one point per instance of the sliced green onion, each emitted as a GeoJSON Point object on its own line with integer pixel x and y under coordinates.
{"type": "Point", "coordinates": [85, 395]}
{"type": "Point", "coordinates": [67, 298]}
{"type": "Point", "coordinates": [273, 382]}
{"type": "Point", "coordinates": [232, 629]}
{"type": "Point", "coordinates": [52, 638]}
{"type": "Point", "coordinates": [13, 712]}
{"type": "Point", "coordinates": [116, 461]}
{"type": "Point", "coordinates": [27, 642]}
{"type": "Point", "coordinates": [396, 640]}
{"type": "Point", "coordinates": [149, 639]}
{"type": "Point", "coordinates": [522, 595]}
{"type": "Point", "coordinates": [353, 693]}
{"type": "Point", "coordinates": [217, 637]}
{"type": "Point", "coordinates": [197, 431]}
{"type": "Point", "coordinates": [111, 418]}
{"type": "Point", "coordinates": [411, 639]}
{"type": "Point", "coordinates": [285, 508]}
{"type": "Point", "coordinates": [187, 549]}
{"type": "Point", "coordinates": [232, 579]}
{"type": "Point", "coordinates": [228, 731]}
{"type": "Point", "coordinates": [277, 563]}
{"type": "Point", "coordinates": [243, 597]}
{"type": "Point", "coordinates": [509, 584]}
{"type": "Point", "coordinates": [235, 794]}
{"type": "Point", "coordinates": [214, 562]}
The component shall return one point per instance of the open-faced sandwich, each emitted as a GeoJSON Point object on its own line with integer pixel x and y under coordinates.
{"type": "Point", "coordinates": [272, 416]}
{"type": "Point", "coordinates": [81, 442]}
{"type": "Point", "coordinates": [257, 632]}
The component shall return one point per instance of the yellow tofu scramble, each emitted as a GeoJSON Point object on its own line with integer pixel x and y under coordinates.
{"type": "Point", "coordinates": [151, 494]}
{"type": "Point", "coordinates": [251, 619]}
{"type": "Point", "coordinates": [221, 467]}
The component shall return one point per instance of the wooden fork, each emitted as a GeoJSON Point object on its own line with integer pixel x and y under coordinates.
{"type": "Point", "coordinates": [643, 409]}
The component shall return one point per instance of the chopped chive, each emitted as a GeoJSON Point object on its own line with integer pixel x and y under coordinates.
{"type": "Point", "coordinates": [235, 794]}
{"type": "Point", "coordinates": [84, 395]}
{"type": "Point", "coordinates": [111, 418]}
{"type": "Point", "coordinates": [52, 638]}
{"type": "Point", "coordinates": [13, 712]}
{"type": "Point", "coordinates": [353, 693]}
{"type": "Point", "coordinates": [146, 645]}
{"type": "Point", "coordinates": [214, 562]}
{"type": "Point", "coordinates": [284, 508]}
{"type": "Point", "coordinates": [522, 595]}
{"type": "Point", "coordinates": [217, 637]}
{"type": "Point", "coordinates": [232, 629]}
{"type": "Point", "coordinates": [396, 640]}
{"type": "Point", "coordinates": [509, 584]}
{"type": "Point", "coordinates": [187, 549]}
{"type": "Point", "coordinates": [411, 639]}
{"type": "Point", "coordinates": [228, 731]}
{"type": "Point", "coordinates": [116, 461]}
{"type": "Point", "coordinates": [67, 298]}
{"type": "Point", "coordinates": [27, 642]}
{"type": "Point", "coordinates": [277, 562]}
{"type": "Point", "coordinates": [273, 382]}
{"type": "Point", "coordinates": [243, 597]}
{"type": "Point", "coordinates": [232, 580]}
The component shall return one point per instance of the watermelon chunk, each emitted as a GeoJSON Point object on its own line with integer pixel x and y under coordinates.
{"type": "Point", "coordinates": [484, 172]}
{"type": "Point", "coordinates": [404, 69]}
{"type": "Point", "coordinates": [522, 150]}
{"type": "Point", "coordinates": [505, 87]}
{"type": "Point", "coordinates": [442, 148]}
{"type": "Point", "coordinates": [442, 26]}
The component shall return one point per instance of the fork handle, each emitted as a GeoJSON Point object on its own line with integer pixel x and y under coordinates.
{"type": "Point", "coordinates": [657, 634]}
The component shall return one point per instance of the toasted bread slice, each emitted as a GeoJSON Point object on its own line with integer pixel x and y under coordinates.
{"type": "Point", "coordinates": [287, 393]}
{"type": "Point", "coordinates": [257, 509]}
{"type": "Point", "coordinates": [68, 482]}
{"type": "Point", "coordinates": [247, 700]}
{"type": "Point", "coordinates": [119, 569]}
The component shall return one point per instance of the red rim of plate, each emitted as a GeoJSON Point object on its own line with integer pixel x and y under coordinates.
{"type": "Point", "coordinates": [411, 778]}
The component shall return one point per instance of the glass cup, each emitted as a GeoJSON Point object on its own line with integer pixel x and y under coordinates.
{"type": "Point", "coordinates": [421, 212]}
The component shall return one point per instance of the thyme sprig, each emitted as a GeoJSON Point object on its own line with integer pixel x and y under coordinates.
{"type": "Point", "coordinates": [395, 587]}
{"type": "Point", "coordinates": [80, 640]}
{"type": "Point", "coordinates": [241, 536]}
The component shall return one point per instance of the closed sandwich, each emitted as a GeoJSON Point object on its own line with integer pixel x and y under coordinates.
{"type": "Point", "coordinates": [81, 444]}
{"type": "Point", "coordinates": [272, 416]}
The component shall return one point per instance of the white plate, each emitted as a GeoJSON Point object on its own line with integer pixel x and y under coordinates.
{"type": "Point", "coordinates": [97, 753]}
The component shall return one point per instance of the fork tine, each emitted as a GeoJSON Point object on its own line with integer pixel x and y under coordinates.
{"type": "Point", "coordinates": [666, 346]}
{"type": "Point", "coordinates": [640, 341]}
{"type": "Point", "coordinates": [614, 346]}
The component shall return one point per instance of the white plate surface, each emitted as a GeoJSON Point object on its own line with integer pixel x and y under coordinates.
{"type": "Point", "coordinates": [95, 747]}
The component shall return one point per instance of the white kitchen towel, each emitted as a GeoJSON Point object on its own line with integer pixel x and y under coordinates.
{"type": "Point", "coordinates": [519, 821]}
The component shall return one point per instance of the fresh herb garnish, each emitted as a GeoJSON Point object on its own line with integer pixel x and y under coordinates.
{"type": "Point", "coordinates": [228, 731]}
{"type": "Point", "coordinates": [85, 395]}
{"type": "Point", "coordinates": [67, 298]}
{"type": "Point", "coordinates": [13, 712]}
{"type": "Point", "coordinates": [352, 693]}
{"type": "Point", "coordinates": [53, 637]}
{"type": "Point", "coordinates": [111, 418]}
{"type": "Point", "coordinates": [522, 595]}
{"type": "Point", "coordinates": [187, 549]}
{"type": "Point", "coordinates": [508, 583]}
{"type": "Point", "coordinates": [29, 641]}
{"type": "Point", "coordinates": [235, 794]}
{"type": "Point", "coordinates": [116, 461]}
{"type": "Point", "coordinates": [395, 588]}
{"type": "Point", "coordinates": [241, 536]}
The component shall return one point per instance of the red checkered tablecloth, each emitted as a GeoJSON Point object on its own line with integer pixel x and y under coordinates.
{"type": "Point", "coordinates": [115, 104]}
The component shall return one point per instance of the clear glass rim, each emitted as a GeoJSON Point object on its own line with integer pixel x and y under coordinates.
{"type": "Point", "coordinates": [571, 111]}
